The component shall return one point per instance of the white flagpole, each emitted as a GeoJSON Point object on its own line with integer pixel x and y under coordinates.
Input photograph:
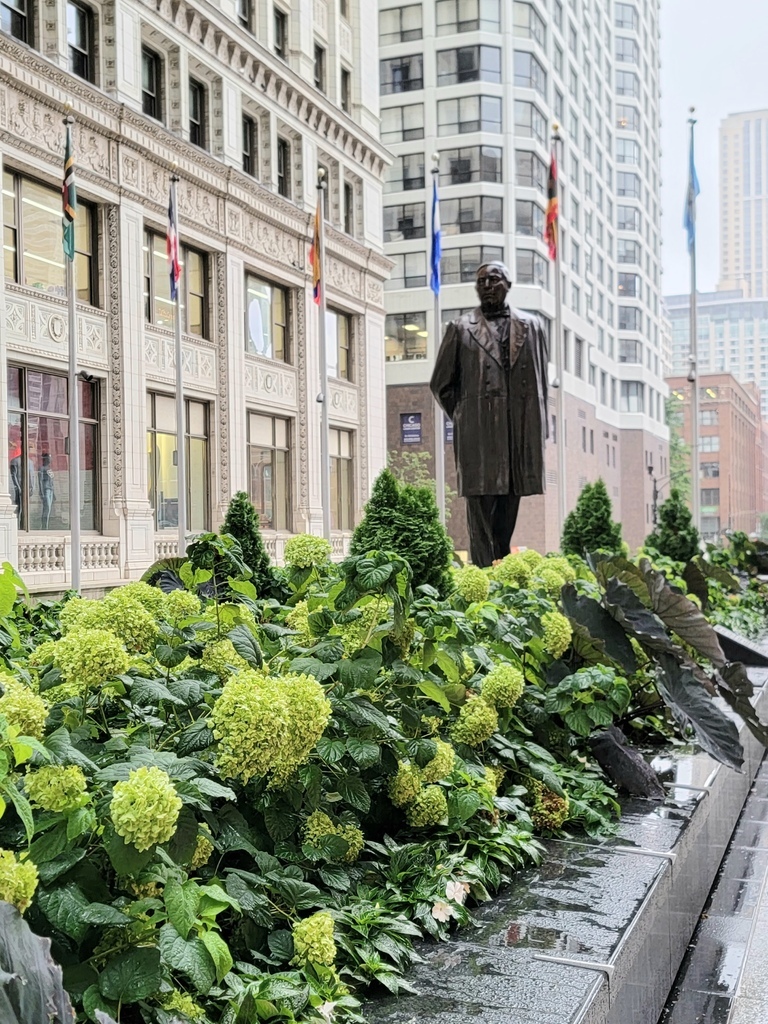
{"type": "Point", "coordinates": [559, 346]}
{"type": "Point", "coordinates": [181, 419]}
{"type": "Point", "coordinates": [325, 454]}
{"type": "Point", "coordinates": [439, 415]}
{"type": "Point", "coordinates": [74, 411]}
{"type": "Point", "coordinates": [693, 374]}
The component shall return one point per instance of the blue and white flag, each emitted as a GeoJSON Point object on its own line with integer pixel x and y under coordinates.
{"type": "Point", "coordinates": [689, 217]}
{"type": "Point", "coordinates": [437, 243]}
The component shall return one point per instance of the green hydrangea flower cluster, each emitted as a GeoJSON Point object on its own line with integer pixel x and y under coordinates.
{"type": "Point", "coordinates": [64, 691]}
{"type": "Point", "coordinates": [183, 1003]}
{"type": "Point", "coordinates": [405, 785]}
{"type": "Point", "coordinates": [151, 598]}
{"type": "Point", "coordinates": [58, 789]}
{"type": "Point", "coordinates": [355, 633]}
{"type": "Point", "coordinates": [25, 710]}
{"type": "Point", "coordinates": [90, 657]}
{"type": "Point", "coordinates": [221, 658]}
{"type": "Point", "coordinates": [493, 778]}
{"type": "Point", "coordinates": [441, 765]}
{"type": "Point", "coordinates": [531, 558]}
{"type": "Point", "coordinates": [469, 667]}
{"type": "Point", "coordinates": [562, 567]}
{"type": "Point", "coordinates": [550, 581]}
{"type": "Point", "coordinates": [298, 619]}
{"type": "Point", "coordinates": [305, 550]}
{"type": "Point", "coordinates": [268, 724]}
{"type": "Point", "coordinates": [429, 808]}
{"type": "Point", "coordinates": [557, 633]}
{"type": "Point", "coordinates": [145, 807]}
{"type": "Point", "coordinates": [180, 605]}
{"type": "Point", "coordinates": [472, 584]}
{"type": "Point", "coordinates": [313, 940]}
{"type": "Point", "coordinates": [403, 638]}
{"type": "Point", "coordinates": [514, 571]}
{"type": "Point", "coordinates": [319, 825]}
{"type": "Point", "coordinates": [503, 686]}
{"type": "Point", "coordinates": [119, 613]}
{"type": "Point", "coordinates": [477, 722]}
{"type": "Point", "coordinates": [203, 850]}
{"type": "Point", "coordinates": [549, 810]}
{"type": "Point", "coordinates": [18, 880]}
{"type": "Point", "coordinates": [42, 655]}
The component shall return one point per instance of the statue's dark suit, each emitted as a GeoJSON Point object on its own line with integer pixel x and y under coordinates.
{"type": "Point", "coordinates": [491, 379]}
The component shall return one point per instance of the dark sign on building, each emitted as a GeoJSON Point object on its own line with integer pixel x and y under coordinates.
{"type": "Point", "coordinates": [448, 431]}
{"type": "Point", "coordinates": [410, 428]}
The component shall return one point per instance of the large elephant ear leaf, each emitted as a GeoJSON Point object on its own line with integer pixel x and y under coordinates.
{"type": "Point", "coordinates": [615, 567]}
{"type": "Point", "coordinates": [735, 688]}
{"type": "Point", "coordinates": [637, 620]}
{"type": "Point", "coordinates": [717, 573]}
{"type": "Point", "coordinates": [684, 618]}
{"type": "Point", "coordinates": [691, 705]}
{"type": "Point", "coordinates": [696, 582]}
{"type": "Point", "coordinates": [596, 632]}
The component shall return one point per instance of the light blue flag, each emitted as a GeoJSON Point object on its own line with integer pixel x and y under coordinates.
{"type": "Point", "coordinates": [437, 243]}
{"type": "Point", "coordinates": [689, 217]}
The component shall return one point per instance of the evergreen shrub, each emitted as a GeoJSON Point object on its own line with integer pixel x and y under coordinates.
{"type": "Point", "coordinates": [589, 526]}
{"type": "Point", "coordinates": [242, 523]}
{"type": "Point", "coordinates": [675, 534]}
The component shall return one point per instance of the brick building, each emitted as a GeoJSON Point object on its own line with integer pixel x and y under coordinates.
{"type": "Point", "coordinates": [732, 454]}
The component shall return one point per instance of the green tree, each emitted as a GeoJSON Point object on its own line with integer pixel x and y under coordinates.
{"type": "Point", "coordinates": [414, 467]}
{"type": "Point", "coordinates": [590, 526]}
{"type": "Point", "coordinates": [242, 523]}
{"type": "Point", "coordinates": [675, 535]}
{"type": "Point", "coordinates": [404, 519]}
{"type": "Point", "coordinates": [679, 451]}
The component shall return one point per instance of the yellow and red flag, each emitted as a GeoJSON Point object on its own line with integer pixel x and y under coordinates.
{"type": "Point", "coordinates": [314, 257]}
{"type": "Point", "coordinates": [551, 228]}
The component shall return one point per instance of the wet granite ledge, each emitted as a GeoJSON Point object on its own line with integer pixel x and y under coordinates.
{"type": "Point", "coordinates": [596, 934]}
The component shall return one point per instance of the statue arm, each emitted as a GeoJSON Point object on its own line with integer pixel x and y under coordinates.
{"type": "Point", "coordinates": [543, 347]}
{"type": "Point", "coordinates": [445, 376]}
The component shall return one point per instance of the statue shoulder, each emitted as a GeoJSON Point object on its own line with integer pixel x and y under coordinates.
{"type": "Point", "coordinates": [465, 321]}
{"type": "Point", "coordinates": [532, 320]}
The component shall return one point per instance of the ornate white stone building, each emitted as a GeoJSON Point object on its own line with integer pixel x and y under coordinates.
{"type": "Point", "coordinates": [250, 98]}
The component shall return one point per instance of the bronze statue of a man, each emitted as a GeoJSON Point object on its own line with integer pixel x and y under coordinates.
{"type": "Point", "coordinates": [490, 377]}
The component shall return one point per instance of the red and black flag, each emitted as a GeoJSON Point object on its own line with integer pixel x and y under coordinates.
{"type": "Point", "coordinates": [553, 210]}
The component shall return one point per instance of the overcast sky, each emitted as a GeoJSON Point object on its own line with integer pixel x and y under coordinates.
{"type": "Point", "coordinates": [713, 57]}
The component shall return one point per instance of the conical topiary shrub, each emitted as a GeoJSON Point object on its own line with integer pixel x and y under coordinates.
{"type": "Point", "coordinates": [590, 526]}
{"type": "Point", "coordinates": [242, 523]}
{"type": "Point", "coordinates": [675, 535]}
{"type": "Point", "coordinates": [405, 519]}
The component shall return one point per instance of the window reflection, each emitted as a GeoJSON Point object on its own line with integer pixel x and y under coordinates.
{"type": "Point", "coordinates": [162, 464]}
{"type": "Point", "coordinates": [269, 470]}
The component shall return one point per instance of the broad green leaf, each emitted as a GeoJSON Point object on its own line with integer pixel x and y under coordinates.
{"type": "Point", "coordinates": [182, 843]}
{"type": "Point", "coordinates": [103, 914]}
{"type": "Point", "coordinates": [463, 803]}
{"type": "Point", "coordinates": [314, 667]}
{"type": "Point", "coordinates": [182, 902]}
{"type": "Point", "coordinates": [53, 869]}
{"type": "Point", "coordinates": [94, 1001]}
{"type": "Point", "coordinates": [246, 646]}
{"type": "Point", "coordinates": [22, 806]}
{"type": "Point", "coordinates": [683, 617]}
{"type": "Point", "coordinates": [448, 665]}
{"type": "Point", "coordinates": [49, 845]}
{"type": "Point", "coordinates": [125, 858]}
{"type": "Point", "coordinates": [189, 956]}
{"type": "Point", "coordinates": [281, 944]}
{"type": "Point", "coordinates": [132, 975]}
{"type": "Point", "coordinates": [331, 751]}
{"type": "Point", "coordinates": [600, 625]}
{"type": "Point", "coordinates": [279, 824]}
{"type": "Point", "coordinates": [435, 693]}
{"type": "Point", "coordinates": [80, 821]}
{"type": "Point", "coordinates": [7, 590]}
{"type": "Point", "coordinates": [195, 737]}
{"type": "Point", "coordinates": [335, 876]}
{"type": "Point", "coordinates": [64, 907]}
{"type": "Point", "coordinates": [353, 791]}
{"type": "Point", "coordinates": [151, 692]}
{"type": "Point", "coordinates": [253, 904]}
{"type": "Point", "coordinates": [168, 657]}
{"type": "Point", "coordinates": [219, 952]}
{"type": "Point", "coordinates": [365, 752]}
{"type": "Point", "coordinates": [360, 672]}
{"type": "Point", "coordinates": [300, 895]}
{"type": "Point", "coordinates": [579, 721]}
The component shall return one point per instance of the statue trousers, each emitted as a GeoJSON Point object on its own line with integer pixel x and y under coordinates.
{"type": "Point", "coordinates": [491, 520]}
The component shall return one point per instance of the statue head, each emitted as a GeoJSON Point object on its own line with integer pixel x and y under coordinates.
{"type": "Point", "coordinates": [492, 283]}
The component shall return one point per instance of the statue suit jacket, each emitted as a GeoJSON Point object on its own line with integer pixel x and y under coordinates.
{"type": "Point", "coordinates": [500, 417]}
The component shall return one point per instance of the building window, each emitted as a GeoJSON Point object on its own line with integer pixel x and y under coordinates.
{"type": "Point", "coordinates": [625, 16]}
{"type": "Point", "coordinates": [529, 219]}
{"type": "Point", "coordinates": [530, 171]}
{"type": "Point", "coordinates": [710, 497]}
{"type": "Point", "coordinates": [469, 114]}
{"type": "Point", "coordinates": [162, 458]}
{"type": "Point", "coordinates": [401, 74]}
{"type": "Point", "coordinates": [627, 251]}
{"type": "Point", "coordinates": [456, 16]}
{"type": "Point", "coordinates": [400, 25]}
{"type": "Point", "coordinates": [342, 480]}
{"type": "Point", "coordinates": [709, 443]}
{"type": "Point", "coordinates": [459, 265]}
{"type": "Point", "coordinates": [266, 319]}
{"type": "Point", "coordinates": [245, 14]}
{"type": "Point", "coordinates": [708, 417]}
{"type": "Point", "coordinates": [32, 240]}
{"type": "Point", "coordinates": [710, 470]}
{"type": "Point", "coordinates": [338, 337]}
{"type": "Point", "coordinates": [349, 209]}
{"type": "Point", "coordinates": [250, 145]}
{"type": "Point", "coordinates": [281, 33]}
{"type": "Point", "coordinates": [632, 396]}
{"type": "Point", "coordinates": [404, 222]}
{"type": "Point", "coordinates": [197, 113]}
{"type": "Point", "coordinates": [473, 213]}
{"type": "Point", "coordinates": [475, 163]}
{"type": "Point", "coordinates": [151, 83]}
{"type": "Point", "coordinates": [159, 308]}
{"type": "Point", "coordinates": [630, 351]}
{"type": "Point", "coordinates": [531, 268]}
{"type": "Point", "coordinates": [529, 121]}
{"type": "Point", "coordinates": [406, 173]}
{"type": "Point", "coordinates": [402, 124]}
{"type": "Point", "coordinates": [528, 24]}
{"type": "Point", "coordinates": [627, 151]}
{"type": "Point", "coordinates": [269, 470]}
{"type": "Point", "coordinates": [469, 64]}
{"type": "Point", "coordinates": [405, 336]}
{"type": "Point", "coordinates": [627, 84]}
{"type": "Point", "coordinates": [627, 118]}
{"type": "Point", "coordinates": [319, 68]}
{"type": "Point", "coordinates": [80, 41]}
{"type": "Point", "coordinates": [284, 168]}
{"type": "Point", "coordinates": [38, 433]}
{"type": "Point", "coordinates": [628, 184]}
{"type": "Point", "coordinates": [627, 51]}
{"type": "Point", "coordinates": [15, 19]}
{"type": "Point", "coordinates": [628, 218]}
{"type": "Point", "coordinates": [529, 74]}
{"type": "Point", "coordinates": [409, 271]}
{"type": "Point", "coordinates": [346, 90]}
{"type": "Point", "coordinates": [629, 286]}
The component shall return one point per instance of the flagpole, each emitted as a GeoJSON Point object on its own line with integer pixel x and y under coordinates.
{"type": "Point", "coordinates": [325, 454]}
{"type": "Point", "coordinates": [74, 396]}
{"type": "Point", "coordinates": [560, 435]}
{"type": "Point", "coordinates": [693, 371]}
{"type": "Point", "coordinates": [181, 420]}
{"type": "Point", "coordinates": [439, 415]}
